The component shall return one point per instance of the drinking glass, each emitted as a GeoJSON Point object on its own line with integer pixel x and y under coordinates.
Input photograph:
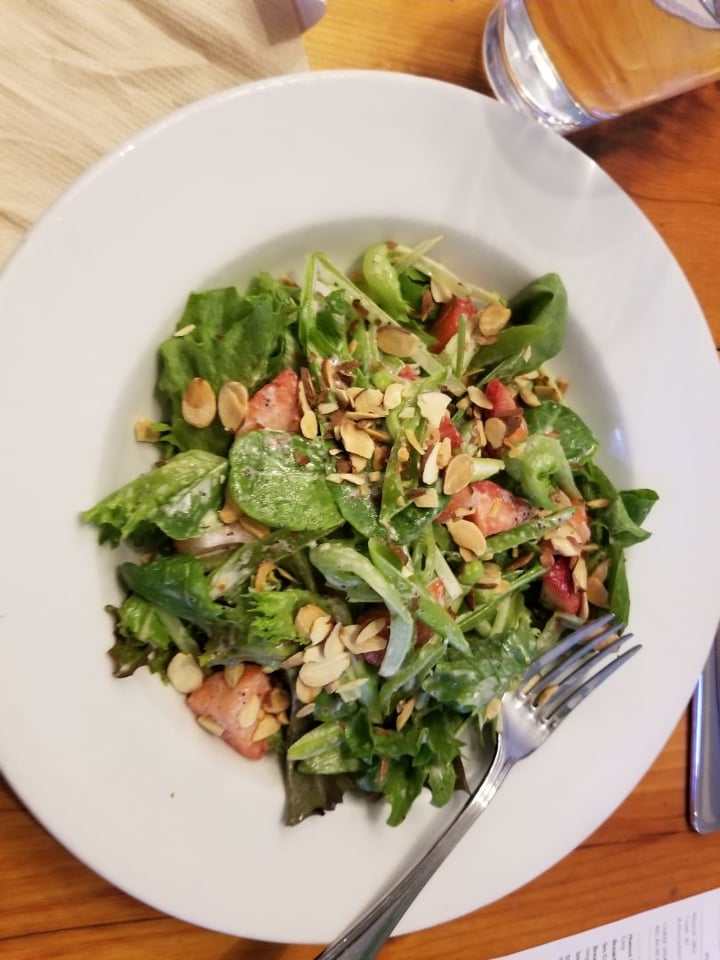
{"type": "Point", "coordinates": [571, 63]}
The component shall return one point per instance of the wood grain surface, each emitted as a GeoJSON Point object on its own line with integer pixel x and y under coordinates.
{"type": "Point", "coordinates": [645, 855]}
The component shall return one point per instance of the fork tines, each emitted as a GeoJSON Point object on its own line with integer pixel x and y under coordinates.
{"type": "Point", "coordinates": [558, 680]}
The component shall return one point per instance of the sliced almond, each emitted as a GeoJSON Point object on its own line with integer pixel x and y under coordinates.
{"type": "Point", "coordinates": [431, 471]}
{"type": "Point", "coordinates": [334, 645]}
{"type": "Point", "coordinates": [458, 473]}
{"type": "Point", "coordinates": [306, 711]}
{"type": "Point", "coordinates": [198, 403]}
{"type": "Point", "coordinates": [566, 546]}
{"type": "Point", "coordinates": [369, 401]}
{"type": "Point", "coordinates": [371, 629]}
{"type": "Point", "coordinates": [490, 577]}
{"type": "Point", "coordinates": [414, 442]}
{"type": "Point", "coordinates": [597, 592]}
{"type": "Point", "coordinates": [144, 431]}
{"type": "Point", "coordinates": [309, 425]}
{"type": "Point", "coordinates": [356, 440]}
{"type": "Point", "coordinates": [317, 674]}
{"type": "Point", "coordinates": [493, 319]}
{"type": "Point", "coordinates": [493, 708]}
{"type": "Point", "coordinates": [428, 499]}
{"type": "Point", "coordinates": [528, 395]}
{"type": "Point", "coordinates": [405, 713]}
{"type": "Point", "coordinates": [184, 673]}
{"type": "Point", "coordinates": [397, 342]}
{"type": "Point", "coordinates": [433, 406]}
{"type": "Point", "coordinates": [276, 701]}
{"type": "Point", "coordinates": [327, 408]}
{"type": "Point", "coordinates": [467, 534]}
{"type": "Point", "coordinates": [358, 463]}
{"type": "Point", "coordinates": [304, 692]}
{"type": "Point", "coordinates": [232, 403]}
{"type": "Point", "coordinates": [444, 453]}
{"type": "Point", "coordinates": [479, 398]}
{"type": "Point", "coordinates": [184, 331]}
{"type": "Point", "coordinates": [312, 653]}
{"type": "Point", "coordinates": [249, 713]}
{"type": "Point", "coordinates": [232, 673]}
{"type": "Point", "coordinates": [600, 571]}
{"type": "Point", "coordinates": [495, 430]}
{"type": "Point", "coordinates": [212, 726]}
{"type": "Point", "coordinates": [580, 574]}
{"type": "Point", "coordinates": [306, 617]}
{"type": "Point", "coordinates": [320, 629]}
{"type": "Point", "coordinates": [268, 726]}
{"type": "Point", "coordinates": [393, 396]}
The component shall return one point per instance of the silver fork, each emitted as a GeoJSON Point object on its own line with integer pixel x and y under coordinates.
{"type": "Point", "coordinates": [553, 685]}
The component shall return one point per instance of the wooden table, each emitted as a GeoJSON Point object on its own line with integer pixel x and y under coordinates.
{"type": "Point", "coordinates": [645, 855]}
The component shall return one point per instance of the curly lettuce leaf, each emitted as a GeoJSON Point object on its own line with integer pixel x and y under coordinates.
{"type": "Point", "coordinates": [230, 337]}
{"type": "Point", "coordinates": [176, 497]}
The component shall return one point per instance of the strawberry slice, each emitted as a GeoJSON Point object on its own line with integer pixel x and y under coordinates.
{"type": "Point", "coordinates": [223, 704]}
{"type": "Point", "coordinates": [558, 591]}
{"type": "Point", "coordinates": [450, 431]}
{"type": "Point", "coordinates": [505, 408]}
{"type": "Point", "coordinates": [274, 406]}
{"type": "Point", "coordinates": [492, 507]}
{"type": "Point", "coordinates": [447, 323]}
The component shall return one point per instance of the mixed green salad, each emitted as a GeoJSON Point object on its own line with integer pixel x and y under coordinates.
{"type": "Point", "coordinates": [372, 508]}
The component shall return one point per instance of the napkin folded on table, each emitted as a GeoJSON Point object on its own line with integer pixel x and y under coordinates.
{"type": "Point", "coordinates": [79, 77]}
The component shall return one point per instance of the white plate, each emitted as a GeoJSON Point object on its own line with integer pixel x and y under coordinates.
{"type": "Point", "coordinates": [257, 177]}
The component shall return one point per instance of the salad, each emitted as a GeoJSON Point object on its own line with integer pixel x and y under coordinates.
{"type": "Point", "coordinates": [372, 508]}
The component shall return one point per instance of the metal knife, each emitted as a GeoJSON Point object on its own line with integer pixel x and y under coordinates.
{"type": "Point", "coordinates": [704, 800]}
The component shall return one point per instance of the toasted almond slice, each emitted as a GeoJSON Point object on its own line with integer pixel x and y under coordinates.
{"type": "Point", "coordinates": [444, 453]}
{"type": "Point", "coordinates": [528, 395]}
{"type": "Point", "coordinates": [296, 660]}
{"type": "Point", "coordinates": [433, 406]}
{"type": "Point", "coordinates": [358, 463]}
{"type": "Point", "coordinates": [440, 293]}
{"type": "Point", "coordinates": [266, 728]}
{"type": "Point", "coordinates": [349, 633]}
{"type": "Point", "coordinates": [184, 331]}
{"type": "Point", "coordinates": [305, 618]}
{"type": "Point", "coordinates": [428, 499]}
{"type": "Point", "coordinates": [493, 319]}
{"type": "Point", "coordinates": [327, 408]}
{"type": "Point", "coordinates": [305, 711]}
{"type": "Point", "coordinates": [198, 403]}
{"type": "Point", "coordinates": [232, 404]}
{"type": "Point", "coordinates": [600, 570]}
{"type": "Point", "coordinates": [184, 673]}
{"type": "Point", "coordinates": [276, 701]}
{"type": "Point", "coordinates": [479, 398]}
{"type": "Point", "coordinates": [397, 342]}
{"type": "Point", "coordinates": [309, 425]}
{"type": "Point", "coordinates": [491, 575]}
{"type": "Point", "coordinates": [144, 431]}
{"type": "Point", "coordinates": [368, 645]}
{"type": "Point", "coordinates": [597, 504]}
{"type": "Point", "coordinates": [431, 470]}
{"type": "Point", "coordinates": [493, 709]}
{"type": "Point", "coordinates": [580, 574]}
{"type": "Point", "coordinates": [597, 592]}
{"type": "Point", "coordinates": [495, 430]}
{"type": "Point", "coordinates": [317, 674]}
{"type": "Point", "coordinates": [405, 713]}
{"type": "Point", "coordinates": [566, 546]}
{"type": "Point", "coordinates": [304, 692]}
{"type": "Point", "coordinates": [355, 440]}
{"type": "Point", "coordinates": [207, 723]}
{"type": "Point", "coordinates": [232, 673]}
{"type": "Point", "coordinates": [334, 645]}
{"type": "Point", "coordinates": [467, 534]}
{"type": "Point", "coordinates": [458, 473]}
{"type": "Point", "coordinates": [249, 713]}
{"type": "Point", "coordinates": [371, 629]}
{"type": "Point", "coordinates": [369, 401]}
{"type": "Point", "coordinates": [393, 396]}
{"type": "Point", "coordinates": [321, 628]}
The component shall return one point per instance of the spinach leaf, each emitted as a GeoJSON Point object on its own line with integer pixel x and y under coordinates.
{"type": "Point", "coordinates": [535, 332]}
{"type": "Point", "coordinates": [576, 439]}
{"type": "Point", "coordinates": [231, 337]}
{"type": "Point", "coordinates": [625, 511]}
{"type": "Point", "coordinates": [176, 497]}
{"type": "Point", "coordinates": [279, 479]}
{"type": "Point", "coordinates": [146, 634]}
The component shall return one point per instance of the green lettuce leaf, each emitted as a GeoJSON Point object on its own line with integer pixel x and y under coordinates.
{"type": "Point", "coordinates": [180, 497]}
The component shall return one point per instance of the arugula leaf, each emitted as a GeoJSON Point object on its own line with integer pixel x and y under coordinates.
{"type": "Point", "coordinates": [279, 479]}
{"type": "Point", "coordinates": [178, 497]}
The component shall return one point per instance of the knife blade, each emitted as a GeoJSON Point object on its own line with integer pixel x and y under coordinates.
{"type": "Point", "coordinates": [704, 799]}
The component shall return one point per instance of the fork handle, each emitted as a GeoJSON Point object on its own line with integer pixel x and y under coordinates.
{"type": "Point", "coordinates": [365, 938]}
